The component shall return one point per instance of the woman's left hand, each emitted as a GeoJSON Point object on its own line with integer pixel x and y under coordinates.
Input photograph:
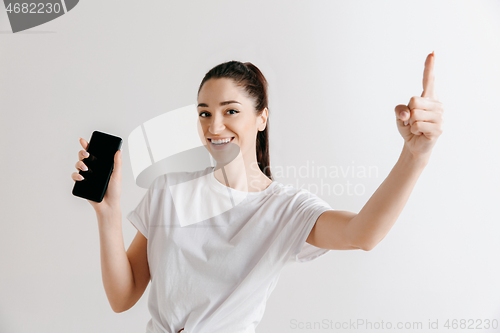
{"type": "Point", "coordinates": [421, 121]}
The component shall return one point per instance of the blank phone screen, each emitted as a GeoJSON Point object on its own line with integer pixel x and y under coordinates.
{"type": "Point", "coordinates": [102, 148]}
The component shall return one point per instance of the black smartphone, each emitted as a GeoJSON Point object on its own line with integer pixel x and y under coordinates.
{"type": "Point", "coordinates": [100, 162]}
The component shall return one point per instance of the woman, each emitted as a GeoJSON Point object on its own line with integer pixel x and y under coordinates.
{"type": "Point", "coordinates": [213, 268]}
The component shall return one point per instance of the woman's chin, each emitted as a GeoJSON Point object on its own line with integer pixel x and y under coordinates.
{"type": "Point", "coordinates": [229, 153]}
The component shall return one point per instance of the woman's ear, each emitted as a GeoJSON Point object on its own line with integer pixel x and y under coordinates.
{"type": "Point", "coordinates": [263, 120]}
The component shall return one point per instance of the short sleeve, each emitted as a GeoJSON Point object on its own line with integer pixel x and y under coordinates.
{"type": "Point", "coordinates": [307, 211]}
{"type": "Point", "coordinates": [141, 215]}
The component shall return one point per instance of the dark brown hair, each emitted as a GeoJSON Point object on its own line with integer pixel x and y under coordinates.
{"type": "Point", "coordinates": [251, 79]}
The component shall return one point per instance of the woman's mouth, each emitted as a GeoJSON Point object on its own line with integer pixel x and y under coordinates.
{"type": "Point", "coordinates": [221, 143]}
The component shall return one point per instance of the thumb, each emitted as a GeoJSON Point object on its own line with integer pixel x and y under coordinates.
{"type": "Point", "coordinates": [402, 114]}
{"type": "Point", "coordinates": [118, 162]}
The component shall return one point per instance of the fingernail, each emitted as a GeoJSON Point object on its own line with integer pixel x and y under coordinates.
{"type": "Point", "coordinates": [86, 154]}
{"type": "Point", "coordinates": [402, 114]}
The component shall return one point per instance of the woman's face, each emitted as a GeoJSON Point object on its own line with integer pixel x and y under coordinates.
{"type": "Point", "coordinates": [226, 111]}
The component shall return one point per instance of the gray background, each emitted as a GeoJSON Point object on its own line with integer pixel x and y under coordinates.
{"type": "Point", "coordinates": [336, 71]}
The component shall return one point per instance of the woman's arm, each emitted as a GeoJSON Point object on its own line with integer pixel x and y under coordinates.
{"type": "Point", "coordinates": [380, 213]}
{"type": "Point", "coordinates": [342, 230]}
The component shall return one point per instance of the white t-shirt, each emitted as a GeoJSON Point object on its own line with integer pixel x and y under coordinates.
{"type": "Point", "coordinates": [215, 254]}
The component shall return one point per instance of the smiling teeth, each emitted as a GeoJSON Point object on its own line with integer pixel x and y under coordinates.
{"type": "Point", "coordinates": [220, 141]}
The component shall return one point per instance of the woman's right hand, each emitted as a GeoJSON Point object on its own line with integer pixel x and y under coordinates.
{"type": "Point", "coordinates": [111, 201]}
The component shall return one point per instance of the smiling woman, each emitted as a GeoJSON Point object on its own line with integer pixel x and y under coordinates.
{"type": "Point", "coordinates": [238, 229]}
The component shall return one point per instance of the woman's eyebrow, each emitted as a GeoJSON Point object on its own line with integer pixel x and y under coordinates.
{"type": "Point", "coordinates": [203, 105]}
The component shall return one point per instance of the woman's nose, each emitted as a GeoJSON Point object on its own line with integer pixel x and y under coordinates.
{"type": "Point", "coordinates": [217, 126]}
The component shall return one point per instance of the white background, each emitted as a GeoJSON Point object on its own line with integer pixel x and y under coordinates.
{"type": "Point", "coordinates": [336, 71]}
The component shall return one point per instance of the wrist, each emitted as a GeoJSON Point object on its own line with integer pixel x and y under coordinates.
{"type": "Point", "coordinates": [415, 159]}
{"type": "Point", "coordinates": [108, 211]}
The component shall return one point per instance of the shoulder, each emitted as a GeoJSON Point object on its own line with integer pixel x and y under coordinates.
{"type": "Point", "coordinates": [291, 192]}
{"type": "Point", "coordinates": [296, 197]}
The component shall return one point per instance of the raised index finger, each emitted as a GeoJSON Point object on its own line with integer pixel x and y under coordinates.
{"type": "Point", "coordinates": [428, 81]}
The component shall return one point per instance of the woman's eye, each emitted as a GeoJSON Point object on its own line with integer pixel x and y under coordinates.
{"type": "Point", "coordinates": [235, 111]}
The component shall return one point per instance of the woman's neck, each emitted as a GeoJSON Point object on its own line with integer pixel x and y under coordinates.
{"type": "Point", "coordinates": [242, 175]}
